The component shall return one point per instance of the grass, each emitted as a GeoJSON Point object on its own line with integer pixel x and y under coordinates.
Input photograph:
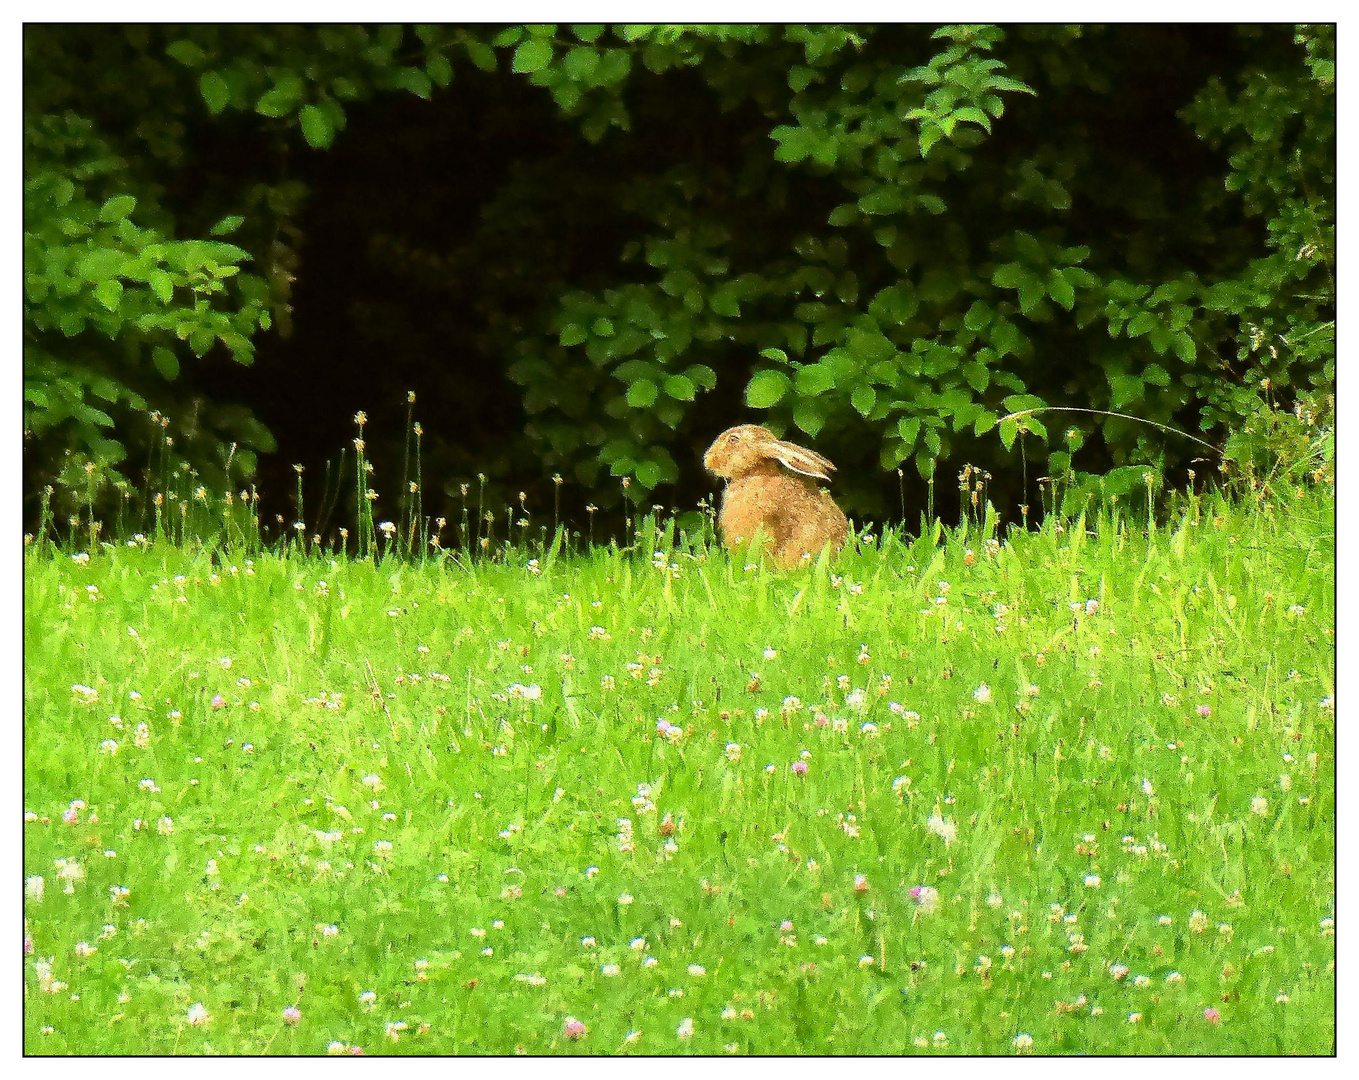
{"type": "Point", "coordinates": [1073, 792]}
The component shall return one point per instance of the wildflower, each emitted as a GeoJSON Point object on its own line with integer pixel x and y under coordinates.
{"type": "Point", "coordinates": [1023, 1042]}
{"type": "Point", "coordinates": [865, 961]}
{"type": "Point", "coordinates": [926, 898]}
{"type": "Point", "coordinates": [1134, 1018]}
{"type": "Point", "coordinates": [1174, 978]}
{"type": "Point", "coordinates": [625, 899]}
{"type": "Point", "coordinates": [572, 1028]}
{"type": "Point", "coordinates": [861, 883]}
{"type": "Point", "coordinates": [108, 746]}
{"type": "Point", "coordinates": [733, 751]}
{"type": "Point", "coordinates": [982, 694]}
{"type": "Point", "coordinates": [609, 970]}
{"type": "Point", "coordinates": [947, 831]}
{"type": "Point", "coordinates": [697, 970]}
{"type": "Point", "coordinates": [84, 949]}
{"type": "Point", "coordinates": [1198, 922]}
{"type": "Point", "coordinates": [334, 1048]}
{"type": "Point", "coordinates": [1092, 881]}
{"type": "Point", "coordinates": [197, 1014]}
{"type": "Point", "coordinates": [799, 768]}
{"type": "Point", "coordinates": [685, 1029]}
{"type": "Point", "coordinates": [291, 1015]}
{"type": "Point", "coordinates": [1212, 1015]}
{"type": "Point", "coordinates": [1259, 805]}
{"type": "Point", "coordinates": [637, 944]}
{"type": "Point", "coordinates": [650, 962]}
{"type": "Point", "coordinates": [33, 888]}
{"type": "Point", "coordinates": [587, 942]}
{"type": "Point", "coordinates": [1118, 971]}
{"type": "Point", "coordinates": [368, 999]}
{"type": "Point", "coordinates": [1142, 981]}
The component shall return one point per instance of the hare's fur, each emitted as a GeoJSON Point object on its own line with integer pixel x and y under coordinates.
{"type": "Point", "coordinates": [771, 491]}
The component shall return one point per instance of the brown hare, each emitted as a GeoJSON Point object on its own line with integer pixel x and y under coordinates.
{"type": "Point", "coordinates": [769, 490]}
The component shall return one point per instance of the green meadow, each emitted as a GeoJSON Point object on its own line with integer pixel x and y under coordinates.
{"type": "Point", "coordinates": [1070, 791]}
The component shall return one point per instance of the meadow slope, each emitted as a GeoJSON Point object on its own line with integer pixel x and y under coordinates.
{"type": "Point", "coordinates": [1073, 792]}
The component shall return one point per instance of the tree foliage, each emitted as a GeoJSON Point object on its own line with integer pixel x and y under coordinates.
{"type": "Point", "coordinates": [887, 240]}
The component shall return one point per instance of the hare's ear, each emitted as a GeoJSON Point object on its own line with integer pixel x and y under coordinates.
{"type": "Point", "coordinates": [801, 460]}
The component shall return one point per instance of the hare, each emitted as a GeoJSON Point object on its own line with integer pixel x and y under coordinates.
{"type": "Point", "coordinates": [768, 490]}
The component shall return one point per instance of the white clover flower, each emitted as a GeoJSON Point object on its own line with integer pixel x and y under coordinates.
{"type": "Point", "coordinates": [947, 831]}
{"type": "Point", "coordinates": [982, 694]}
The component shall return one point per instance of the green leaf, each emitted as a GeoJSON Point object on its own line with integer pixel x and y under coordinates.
{"type": "Point", "coordinates": [973, 114]}
{"type": "Point", "coordinates": [1141, 323]}
{"type": "Point", "coordinates": [766, 388]}
{"type": "Point", "coordinates": [580, 63]}
{"type": "Point", "coordinates": [533, 55]}
{"type": "Point", "coordinates": [588, 31]}
{"type": "Point", "coordinates": [1030, 295]}
{"type": "Point", "coordinates": [1156, 374]}
{"type": "Point", "coordinates": [680, 388]}
{"type": "Point", "coordinates": [117, 208]}
{"type": "Point", "coordinates": [1060, 289]}
{"type": "Point", "coordinates": [774, 354]}
{"type": "Point", "coordinates": [642, 394]}
{"type": "Point", "coordinates": [813, 379]}
{"type": "Point", "coordinates": [908, 427]}
{"type": "Point", "coordinates": [978, 315]}
{"type": "Point", "coordinates": [165, 361]}
{"type": "Point", "coordinates": [602, 327]}
{"type": "Point", "coordinates": [227, 225]}
{"type": "Point", "coordinates": [1125, 389]}
{"type": "Point", "coordinates": [413, 79]}
{"type": "Point", "coordinates": [807, 416]}
{"type": "Point", "coordinates": [1010, 275]}
{"type": "Point", "coordinates": [863, 398]}
{"type": "Point", "coordinates": [188, 53]}
{"type": "Point", "coordinates": [572, 335]}
{"type": "Point", "coordinates": [1009, 428]}
{"type": "Point", "coordinates": [162, 285]}
{"type": "Point", "coordinates": [481, 55]}
{"type": "Point", "coordinates": [109, 292]}
{"type": "Point", "coordinates": [439, 68]}
{"type": "Point", "coordinates": [648, 473]}
{"type": "Point", "coordinates": [1184, 347]}
{"type": "Point", "coordinates": [316, 127]}
{"type": "Point", "coordinates": [507, 37]}
{"type": "Point", "coordinates": [844, 214]}
{"type": "Point", "coordinates": [984, 423]}
{"type": "Point", "coordinates": [894, 305]}
{"type": "Point", "coordinates": [976, 375]}
{"type": "Point", "coordinates": [282, 99]}
{"type": "Point", "coordinates": [930, 134]}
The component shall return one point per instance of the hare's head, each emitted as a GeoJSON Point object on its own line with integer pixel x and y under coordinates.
{"type": "Point", "coordinates": [750, 448]}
